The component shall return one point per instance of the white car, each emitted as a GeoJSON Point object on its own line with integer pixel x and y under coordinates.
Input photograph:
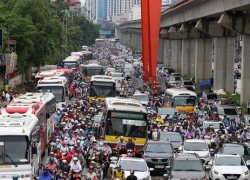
{"type": "Point", "coordinates": [139, 166]}
{"type": "Point", "coordinates": [142, 97]}
{"type": "Point", "coordinates": [197, 146]}
{"type": "Point", "coordinates": [227, 166]}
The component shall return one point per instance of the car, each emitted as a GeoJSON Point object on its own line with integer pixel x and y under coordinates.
{"type": "Point", "coordinates": [142, 97]}
{"type": "Point", "coordinates": [188, 84]}
{"type": "Point", "coordinates": [225, 109]}
{"type": "Point", "coordinates": [164, 111]}
{"type": "Point", "coordinates": [139, 165]}
{"type": "Point", "coordinates": [232, 148]}
{"type": "Point", "coordinates": [217, 125]}
{"type": "Point", "coordinates": [228, 166]}
{"type": "Point", "coordinates": [197, 146]}
{"type": "Point", "coordinates": [174, 137]}
{"type": "Point", "coordinates": [158, 154]}
{"type": "Point", "coordinates": [110, 69]}
{"type": "Point", "coordinates": [187, 166]}
{"type": "Point", "coordinates": [173, 81]}
{"type": "Point", "coordinates": [97, 120]}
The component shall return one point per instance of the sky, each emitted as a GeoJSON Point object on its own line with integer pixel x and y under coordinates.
{"type": "Point", "coordinates": [83, 2]}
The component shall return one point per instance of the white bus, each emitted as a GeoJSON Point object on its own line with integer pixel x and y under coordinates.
{"type": "Point", "coordinates": [99, 42]}
{"type": "Point", "coordinates": [102, 87]}
{"type": "Point", "coordinates": [181, 99]}
{"type": "Point", "coordinates": [92, 69]}
{"type": "Point", "coordinates": [72, 62]}
{"type": "Point", "coordinates": [125, 117]}
{"type": "Point", "coordinates": [48, 73]}
{"type": "Point", "coordinates": [56, 85]}
{"type": "Point", "coordinates": [20, 146]}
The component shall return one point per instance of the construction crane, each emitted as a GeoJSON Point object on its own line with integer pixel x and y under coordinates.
{"type": "Point", "coordinates": [151, 15]}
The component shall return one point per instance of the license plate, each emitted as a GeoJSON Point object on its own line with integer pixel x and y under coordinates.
{"type": "Point", "coordinates": [159, 166]}
{"type": "Point", "coordinates": [231, 177]}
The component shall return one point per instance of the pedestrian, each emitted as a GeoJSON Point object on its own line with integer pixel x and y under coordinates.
{"type": "Point", "coordinates": [132, 176]}
{"type": "Point", "coordinates": [248, 107]}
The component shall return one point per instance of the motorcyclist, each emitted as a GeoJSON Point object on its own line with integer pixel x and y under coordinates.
{"type": "Point", "coordinates": [120, 143]}
{"type": "Point", "coordinates": [130, 144]}
{"type": "Point", "coordinates": [233, 138]}
{"type": "Point", "coordinates": [118, 174]}
{"type": "Point", "coordinates": [45, 175]}
{"type": "Point", "coordinates": [113, 154]}
{"type": "Point", "coordinates": [122, 150]}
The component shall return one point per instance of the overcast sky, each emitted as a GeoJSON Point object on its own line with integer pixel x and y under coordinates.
{"type": "Point", "coordinates": [83, 1]}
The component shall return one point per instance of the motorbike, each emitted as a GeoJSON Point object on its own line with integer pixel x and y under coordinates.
{"type": "Point", "coordinates": [112, 165]}
{"type": "Point", "coordinates": [76, 174]}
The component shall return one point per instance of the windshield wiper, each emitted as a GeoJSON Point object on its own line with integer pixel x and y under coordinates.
{"type": "Point", "coordinates": [13, 162]}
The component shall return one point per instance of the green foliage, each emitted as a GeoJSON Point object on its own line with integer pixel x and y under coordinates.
{"type": "Point", "coordinates": [41, 28]}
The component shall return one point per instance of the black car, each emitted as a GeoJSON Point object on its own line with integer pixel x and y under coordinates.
{"type": "Point", "coordinates": [174, 137]}
{"type": "Point", "coordinates": [232, 148]}
{"type": "Point", "coordinates": [187, 166]}
{"type": "Point", "coordinates": [158, 155]}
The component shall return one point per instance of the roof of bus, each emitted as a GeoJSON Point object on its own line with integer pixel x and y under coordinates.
{"type": "Point", "coordinates": [71, 58]}
{"type": "Point", "coordinates": [180, 91]}
{"type": "Point", "coordinates": [48, 73]}
{"type": "Point", "coordinates": [34, 98]}
{"type": "Point", "coordinates": [65, 70]}
{"type": "Point", "coordinates": [124, 104]}
{"type": "Point", "coordinates": [17, 124]}
{"type": "Point", "coordinates": [55, 81]}
{"type": "Point", "coordinates": [102, 78]}
{"type": "Point", "coordinates": [92, 65]}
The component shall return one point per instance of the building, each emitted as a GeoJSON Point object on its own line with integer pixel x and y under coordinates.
{"type": "Point", "coordinates": [135, 12]}
{"type": "Point", "coordinates": [74, 7]}
{"type": "Point", "coordinates": [92, 10]}
{"type": "Point", "coordinates": [118, 7]}
{"type": "Point", "coordinates": [102, 11]}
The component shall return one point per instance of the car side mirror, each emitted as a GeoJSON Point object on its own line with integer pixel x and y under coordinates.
{"type": "Point", "coordinates": [207, 168]}
{"type": "Point", "coordinates": [210, 163]}
{"type": "Point", "coordinates": [180, 148]}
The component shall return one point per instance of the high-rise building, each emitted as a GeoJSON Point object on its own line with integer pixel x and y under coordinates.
{"type": "Point", "coordinates": [102, 11]}
{"type": "Point", "coordinates": [118, 7]}
{"type": "Point", "coordinates": [92, 10]}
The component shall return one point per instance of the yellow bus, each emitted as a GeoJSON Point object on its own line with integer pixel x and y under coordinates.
{"type": "Point", "coordinates": [124, 117]}
{"type": "Point", "coordinates": [99, 42]}
{"type": "Point", "coordinates": [181, 99]}
{"type": "Point", "coordinates": [102, 87]}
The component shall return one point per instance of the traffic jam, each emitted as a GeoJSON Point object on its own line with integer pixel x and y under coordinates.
{"type": "Point", "coordinates": [94, 118]}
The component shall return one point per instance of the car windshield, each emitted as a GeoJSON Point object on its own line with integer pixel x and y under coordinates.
{"type": "Point", "coordinates": [195, 146]}
{"type": "Point", "coordinates": [159, 148]}
{"type": "Point", "coordinates": [215, 125]}
{"type": "Point", "coordinates": [234, 150]}
{"type": "Point", "coordinates": [171, 137]}
{"type": "Point", "coordinates": [10, 154]}
{"type": "Point", "coordinates": [92, 71]}
{"type": "Point", "coordinates": [188, 83]}
{"type": "Point", "coordinates": [187, 165]}
{"type": "Point", "coordinates": [165, 111]}
{"type": "Point", "coordinates": [229, 161]}
{"type": "Point", "coordinates": [141, 97]}
{"type": "Point", "coordinates": [175, 78]}
{"type": "Point", "coordinates": [69, 65]}
{"type": "Point", "coordinates": [227, 111]}
{"type": "Point", "coordinates": [117, 75]}
{"type": "Point", "coordinates": [102, 89]}
{"type": "Point", "coordinates": [212, 96]}
{"type": "Point", "coordinates": [133, 165]}
{"type": "Point", "coordinates": [97, 118]}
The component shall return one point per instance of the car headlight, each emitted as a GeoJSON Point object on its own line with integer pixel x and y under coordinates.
{"type": "Point", "coordinates": [246, 173]}
{"type": "Point", "coordinates": [217, 173]}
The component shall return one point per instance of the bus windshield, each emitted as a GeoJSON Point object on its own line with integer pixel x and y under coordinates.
{"type": "Point", "coordinates": [127, 124]}
{"type": "Point", "coordinates": [93, 71]}
{"type": "Point", "coordinates": [10, 154]}
{"type": "Point", "coordinates": [184, 100]}
{"type": "Point", "coordinates": [58, 91]}
{"type": "Point", "coordinates": [100, 89]}
{"type": "Point", "coordinates": [69, 65]}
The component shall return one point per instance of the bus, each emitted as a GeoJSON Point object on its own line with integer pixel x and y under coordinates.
{"type": "Point", "coordinates": [48, 73]}
{"type": "Point", "coordinates": [78, 54]}
{"type": "Point", "coordinates": [181, 99]}
{"type": "Point", "coordinates": [72, 62]}
{"type": "Point", "coordinates": [99, 42]}
{"type": "Point", "coordinates": [92, 69]}
{"type": "Point", "coordinates": [69, 74]}
{"type": "Point", "coordinates": [87, 55]}
{"type": "Point", "coordinates": [56, 85]}
{"type": "Point", "coordinates": [102, 87]}
{"type": "Point", "coordinates": [21, 139]}
{"type": "Point", "coordinates": [124, 117]}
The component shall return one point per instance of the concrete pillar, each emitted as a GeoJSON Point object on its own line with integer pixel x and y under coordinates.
{"type": "Point", "coordinates": [245, 72]}
{"type": "Point", "coordinates": [176, 54]}
{"type": "Point", "coordinates": [188, 57]}
{"type": "Point", "coordinates": [166, 51]}
{"type": "Point", "coordinates": [224, 48]}
{"type": "Point", "coordinates": [140, 41]}
{"type": "Point", "coordinates": [160, 51]}
{"type": "Point", "coordinates": [203, 59]}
